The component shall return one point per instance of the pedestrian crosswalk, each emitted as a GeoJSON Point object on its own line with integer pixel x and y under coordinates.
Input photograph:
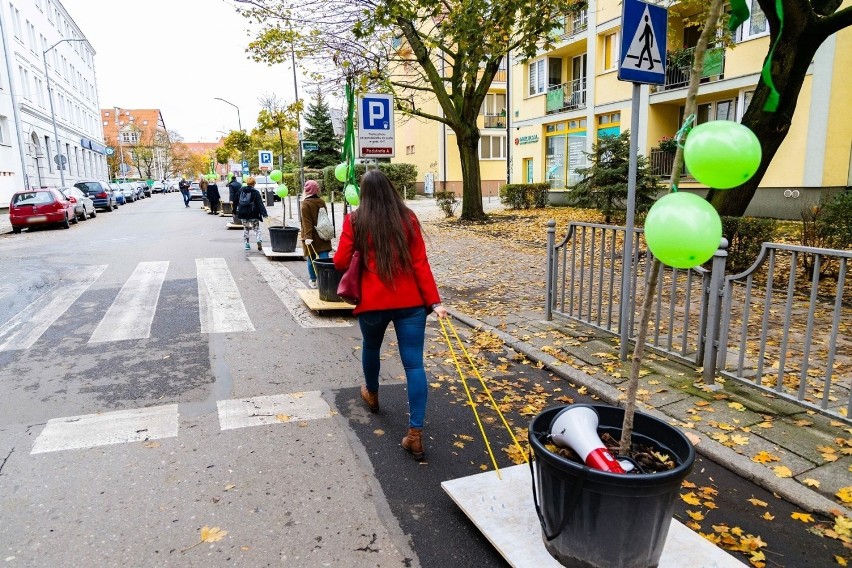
{"type": "Point", "coordinates": [222, 304]}
{"type": "Point", "coordinates": [158, 422]}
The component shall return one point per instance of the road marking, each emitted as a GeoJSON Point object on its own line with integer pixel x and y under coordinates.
{"type": "Point", "coordinates": [29, 324]}
{"type": "Point", "coordinates": [219, 304]}
{"type": "Point", "coordinates": [5, 289]}
{"type": "Point", "coordinates": [284, 283]}
{"type": "Point", "coordinates": [132, 311]}
{"type": "Point", "coordinates": [274, 409]}
{"type": "Point", "coordinates": [90, 430]}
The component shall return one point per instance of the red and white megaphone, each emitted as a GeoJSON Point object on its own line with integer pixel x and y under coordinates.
{"type": "Point", "coordinates": [576, 427]}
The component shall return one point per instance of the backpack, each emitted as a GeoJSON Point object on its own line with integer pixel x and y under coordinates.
{"type": "Point", "coordinates": [325, 230]}
{"type": "Point", "coordinates": [245, 208]}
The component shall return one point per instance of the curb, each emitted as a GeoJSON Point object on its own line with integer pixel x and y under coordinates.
{"type": "Point", "coordinates": [788, 489]}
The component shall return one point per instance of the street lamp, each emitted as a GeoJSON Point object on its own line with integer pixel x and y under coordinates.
{"type": "Point", "coordinates": [59, 163]}
{"type": "Point", "coordinates": [239, 123]}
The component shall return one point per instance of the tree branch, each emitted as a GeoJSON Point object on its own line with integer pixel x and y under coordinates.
{"type": "Point", "coordinates": [827, 26]}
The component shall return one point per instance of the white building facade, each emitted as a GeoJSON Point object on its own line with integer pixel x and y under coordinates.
{"type": "Point", "coordinates": [31, 27]}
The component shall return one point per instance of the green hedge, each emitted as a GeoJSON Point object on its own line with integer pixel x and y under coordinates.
{"type": "Point", "coordinates": [745, 235]}
{"type": "Point", "coordinates": [524, 195]}
{"type": "Point", "coordinates": [289, 179]}
{"type": "Point", "coordinates": [402, 176]}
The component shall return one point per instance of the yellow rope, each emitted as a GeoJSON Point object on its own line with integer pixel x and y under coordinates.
{"type": "Point", "coordinates": [469, 397]}
{"type": "Point", "coordinates": [310, 247]}
{"type": "Point", "coordinates": [488, 392]}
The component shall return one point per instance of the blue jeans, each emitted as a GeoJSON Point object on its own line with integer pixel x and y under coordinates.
{"type": "Point", "coordinates": [410, 325]}
{"type": "Point", "coordinates": [185, 197]}
{"type": "Point", "coordinates": [311, 274]}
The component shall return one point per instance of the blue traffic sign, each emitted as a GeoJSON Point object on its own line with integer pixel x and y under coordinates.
{"type": "Point", "coordinates": [245, 164]}
{"type": "Point", "coordinates": [643, 43]}
{"type": "Point", "coordinates": [376, 126]}
{"type": "Point", "coordinates": [376, 112]}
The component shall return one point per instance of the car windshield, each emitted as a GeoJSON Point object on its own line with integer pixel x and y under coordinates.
{"type": "Point", "coordinates": [32, 198]}
{"type": "Point", "coordinates": [194, 186]}
{"type": "Point", "coordinates": [89, 186]}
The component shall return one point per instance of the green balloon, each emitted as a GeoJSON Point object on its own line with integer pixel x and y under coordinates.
{"type": "Point", "coordinates": [211, 177]}
{"type": "Point", "coordinates": [282, 191]}
{"type": "Point", "coordinates": [683, 230]}
{"type": "Point", "coordinates": [722, 154]}
{"type": "Point", "coordinates": [276, 176]}
{"type": "Point", "coordinates": [341, 171]}
{"type": "Point", "coordinates": [351, 195]}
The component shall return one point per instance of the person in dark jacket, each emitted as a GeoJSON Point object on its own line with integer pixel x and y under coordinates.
{"type": "Point", "coordinates": [183, 186]}
{"type": "Point", "coordinates": [234, 187]}
{"type": "Point", "coordinates": [251, 211]}
{"type": "Point", "coordinates": [213, 197]}
{"type": "Point", "coordinates": [311, 205]}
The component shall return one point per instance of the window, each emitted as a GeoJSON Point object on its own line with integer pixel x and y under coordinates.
{"type": "Point", "coordinates": [537, 77]}
{"type": "Point", "coordinates": [554, 72]}
{"type": "Point", "coordinates": [49, 13]}
{"type": "Point", "coordinates": [47, 152]}
{"type": "Point", "coordinates": [492, 148]}
{"type": "Point", "coordinates": [106, 123]}
{"type": "Point", "coordinates": [744, 101]}
{"type": "Point", "coordinates": [494, 104]}
{"type": "Point", "coordinates": [610, 51]}
{"type": "Point", "coordinates": [39, 88]}
{"type": "Point", "coordinates": [26, 92]}
{"type": "Point", "coordinates": [609, 124]}
{"type": "Point", "coordinates": [3, 135]}
{"type": "Point", "coordinates": [756, 25]}
{"type": "Point", "coordinates": [32, 36]}
{"type": "Point", "coordinates": [726, 110]}
{"type": "Point", "coordinates": [16, 21]}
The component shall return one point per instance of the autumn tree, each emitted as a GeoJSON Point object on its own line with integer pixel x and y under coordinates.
{"type": "Point", "coordinates": [321, 130]}
{"type": "Point", "coordinates": [275, 116]}
{"type": "Point", "coordinates": [419, 50]}
{"type": "Point", "coordinates": [807, 24]}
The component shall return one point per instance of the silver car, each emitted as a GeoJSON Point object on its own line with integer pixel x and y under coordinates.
{"type": "Point", "coordinates": [84, 206]}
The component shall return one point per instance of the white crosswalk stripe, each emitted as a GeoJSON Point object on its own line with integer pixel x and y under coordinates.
{"type": "Point", "coordinates": [220, 306]}
{"type": "Point", "coordinates": [131, 314]}
{"type": "Point", "coordinates": [284, 283]}
{"type": "Point", "coordinates": [122, 426]}
{"type": "Point", "coordinates": [273, 409]}
{"type": "Point", "coordinates": [23, 330]}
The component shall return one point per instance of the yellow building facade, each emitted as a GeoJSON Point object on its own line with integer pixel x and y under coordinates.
{"type": "Point", "coordinates": [562, 100]}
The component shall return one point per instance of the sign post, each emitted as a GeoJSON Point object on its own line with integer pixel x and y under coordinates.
{"type": "Point", "coordinates": [264, 160]}
{"type": "Point", "coordinates": [642, 60]}
{"type": "Point", "coordinates": [376, 126]}
{"type": "Point", "coordinates": [245, 168]}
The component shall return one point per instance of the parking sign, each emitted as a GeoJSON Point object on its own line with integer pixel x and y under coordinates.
{"type": "Point", "coordinates": [375, 126]}
{"type": "Point", "coordinates": [264, 159]}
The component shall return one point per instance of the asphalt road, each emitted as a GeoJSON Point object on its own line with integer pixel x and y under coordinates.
{"type": "Point", "coordinates": [326, 487]}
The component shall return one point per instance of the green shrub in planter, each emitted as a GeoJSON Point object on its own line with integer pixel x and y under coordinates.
{"type": "Point", "coordinates": [447, 202]}
{"type": "Point", "coordinates": [524, 195]}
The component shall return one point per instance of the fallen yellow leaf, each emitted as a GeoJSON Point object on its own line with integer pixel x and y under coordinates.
{"type": "Point", "coordinates": [845, 494]}
{"type": "Point", "coordinates": [765, 457]}
{"type": "Point", "coordinates": [840, 560]}
{"type": "Point", "coordinates": [767, 516]}
{"type": "Point", "coordinates": [782, 471]}
{"type": "Point", "coordinates": [379, 432]}
{"type": "Point", "coordinates": [811, 482]}
{"type": "Point", "coordinates": [739, 439]}
{"type": "Point", "coordinates": [804, 517]}
{"type": "Point", "coordinates": [737, 406]}
{"type": "Point", "coordinates": [690, 498]}
{"type": "Point", "coordinates": [695, 515]}
{"type": "Point", "coordinates": [757, 502]}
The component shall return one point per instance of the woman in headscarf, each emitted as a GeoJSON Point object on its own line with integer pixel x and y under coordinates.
{"type": "Point", "coordinates": [313, 243]}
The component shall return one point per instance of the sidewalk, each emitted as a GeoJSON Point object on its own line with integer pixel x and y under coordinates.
{"type": "Point", "coordinates": [497, 285]}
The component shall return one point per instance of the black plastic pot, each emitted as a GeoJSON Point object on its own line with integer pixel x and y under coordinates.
{"type": "Point", "coordinates": [328, 278]}
{"type": "Point", "coordinates": [226, 208]}
{"type": "Point", "coordinates": [595, 519]}
{"type": "Point", "coordinates": [283, 239]}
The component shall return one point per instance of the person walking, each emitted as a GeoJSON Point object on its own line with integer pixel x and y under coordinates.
{"type": "Point", "coordinates": [183, 186]}
{"type": "Point", "coordinates": [234, 187]}
{"type": "Point", "coordinates": [251, 212]}
{"type": "Point", "coordinates": [213, 197]}
{"type": "Point", "coordinates": [397, 286]}
{"type": "Point", "coordinates": [202, 183]}
{"type": "Point", "coordinates": [312, 203]}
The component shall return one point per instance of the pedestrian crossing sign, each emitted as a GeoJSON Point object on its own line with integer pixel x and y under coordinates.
{"type": "Point", "coordinates": [643, 43]}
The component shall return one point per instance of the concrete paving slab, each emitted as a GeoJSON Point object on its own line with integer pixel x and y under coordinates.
{"type": "Point", "coordinates": [831, 476]}
{"type": "Point", "coordinates": [503, 510]}
{"type": "Point", "coordinates": [273, 409]}
{"type": "Point", "coordinates": [798, 438]}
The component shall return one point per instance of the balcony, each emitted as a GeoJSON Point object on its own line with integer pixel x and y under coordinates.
{"type": "Point", "coordinates": [679, 65]}
{"type": "Point", "coordinates": [495, 121]}
{"type": "Point", "coordinates": [567, 96]}
{"type": "Point", "coordinates": [661, 163]}
{"type": "Point", "coordinates": [572, 24]}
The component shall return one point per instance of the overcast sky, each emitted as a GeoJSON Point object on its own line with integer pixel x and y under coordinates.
{"type": "Point", "coordinates": [177, 55]}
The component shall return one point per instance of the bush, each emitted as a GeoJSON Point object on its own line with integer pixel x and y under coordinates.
{"type": "Point", "coordinates": [289, 179]}
{"type": "Point", "coordinates": [447, 202]}
{"type": "Point", "coordinates": [836, 221]}
{"type": "Point", "coordinates": [524, 195]}
{"type": "Point", "coordinates": [745, 236]}
{"type": "Point", "coordinates": [402, 176]}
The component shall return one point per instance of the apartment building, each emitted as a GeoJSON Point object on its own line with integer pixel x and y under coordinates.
{"type": "Point", "coordinates": [72, 150]}
{"type": "Point", "coordinates": [564, 99]}
{"type": "Point", "coordinates": [141, 136]}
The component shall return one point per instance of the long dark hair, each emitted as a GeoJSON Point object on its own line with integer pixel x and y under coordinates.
{"type": "Point", "coordinates": [384, 223]}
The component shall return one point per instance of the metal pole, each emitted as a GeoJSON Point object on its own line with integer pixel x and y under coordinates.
{"type": "Point", "coordinates": [508, 119]}
{"type": "Point", "coordinates": [714, 316]}
{"type": "Point", "coordinates": [59, 163]}
{"type": "Point", "coordinates": [627, 252]}
{"type": "Point", "coordinates": [549, 293]}
{"type": "Point", "coordinates": [120, 145]}
{"type": "Point", "coordinates": [301, 181]}
{"type": "Point", "coordinates": [15, 111]}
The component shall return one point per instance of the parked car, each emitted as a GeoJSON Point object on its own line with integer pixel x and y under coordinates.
{"type": "Point", "coordinates": [146, 189]}
{"type": "Point", "coordinates": [40, 207]}
{"type": "Point", "coordinates": [129, 191]}
{"type": "Point", "coordinates": [84, 206]}
{"type": "Point", "coordinates": [100, 192]}
{"type": "Point", "coordinates": [158, 187]}
{"type": "Point", "coordinates": [195, 191]}
{"type": "Point", "coordinates": [118, 193]}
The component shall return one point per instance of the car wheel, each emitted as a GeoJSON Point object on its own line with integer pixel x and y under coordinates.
{"type": "Point", "coordinates": [74, 219]}
{"type": "Point", "coordinates": [16, 230]}
{"type": "Point", "coordinates": [109, 207]}
{"type": "Point", "coordinates": [66, 224]}
{"type": "Point", "coordinates": [85, 215]}
{"type": "Point", "coordinates": [94, 213]}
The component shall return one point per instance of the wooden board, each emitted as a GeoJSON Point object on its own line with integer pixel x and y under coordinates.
{"type": "Point", "coordinates": [503, 510]}
{"type": "Point", "coordinates": [293, 255]}
{"type": "Point", "coordinates": [233, 226]}
{"type": "Point", "coordinates": [312, 300]}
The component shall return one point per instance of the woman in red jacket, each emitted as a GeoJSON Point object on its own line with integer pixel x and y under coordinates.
{"type": "Point", "coordinates": [396, 286]}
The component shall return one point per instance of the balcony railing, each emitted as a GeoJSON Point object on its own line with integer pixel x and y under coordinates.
{"type": "Point", "coordinates": [572, 25]}
{"type": "Point", "coordinates": [500, 76]}
{"type": "Point", "coordinates": [679, 65]}
{"type": "Point", "coordinates": [662, 162]}
{"type": "Point", "coordinates": [495, 121]}
{"type": "Point", "coordinates": [567, 96]}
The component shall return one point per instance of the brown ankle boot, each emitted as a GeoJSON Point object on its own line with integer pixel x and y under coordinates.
{"type": "Point", "coordinates": [371, 398]}
{"type": "Point", "coordinates": [413, 443]}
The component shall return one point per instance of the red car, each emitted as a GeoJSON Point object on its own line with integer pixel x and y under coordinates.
{"type": "Point", "coordinates": [40, 207]}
